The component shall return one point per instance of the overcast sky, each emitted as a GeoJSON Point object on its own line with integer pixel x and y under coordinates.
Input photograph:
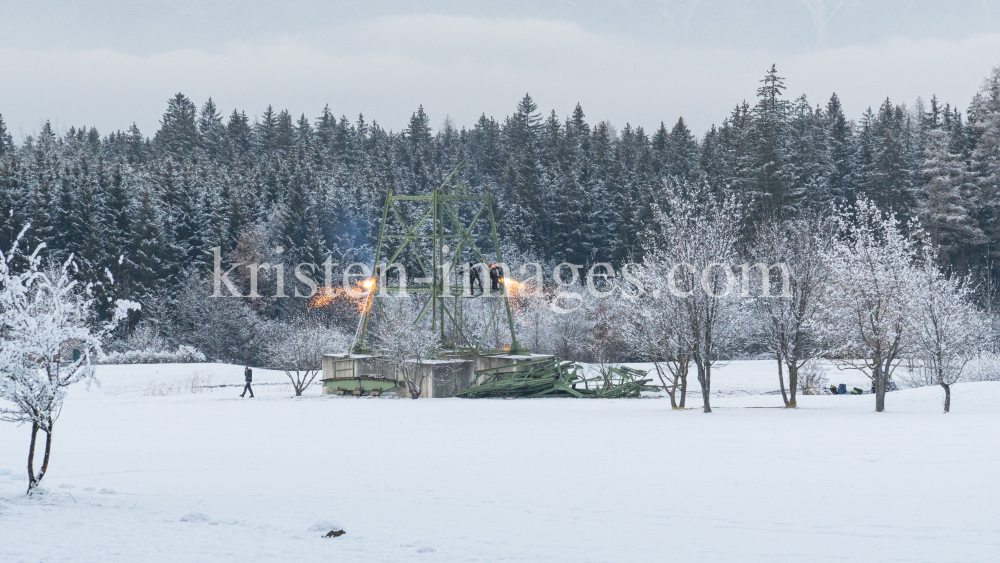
{"type": "Point", "coordinates": [111, 63]}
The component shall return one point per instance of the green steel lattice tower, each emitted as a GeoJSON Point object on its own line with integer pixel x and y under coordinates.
{"type": "Point", "coordinates": [444, 225]}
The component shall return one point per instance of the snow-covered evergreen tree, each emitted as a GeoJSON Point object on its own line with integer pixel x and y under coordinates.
{"type": "Point", "coordinates": [212, 131]}
{"type": "Point", "coordinates": [178, 135]}
{"type": "Point", "coordinates": [945, 208]}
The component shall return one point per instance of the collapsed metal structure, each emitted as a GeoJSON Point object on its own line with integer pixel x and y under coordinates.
{"type": "Point", "coordinates": [552, 377]}
{"type": "Point", "coordinates": [436, 235]}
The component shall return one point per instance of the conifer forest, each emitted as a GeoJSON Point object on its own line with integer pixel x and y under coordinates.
{"type": "Point", "coordinates": [148, 207]}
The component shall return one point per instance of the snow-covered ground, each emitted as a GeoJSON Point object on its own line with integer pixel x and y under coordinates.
{"type": "Point", "coordinates": [145, 470]}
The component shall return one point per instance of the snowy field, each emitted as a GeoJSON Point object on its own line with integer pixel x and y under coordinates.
{"type": "Point", "coordinates": [145, 470]}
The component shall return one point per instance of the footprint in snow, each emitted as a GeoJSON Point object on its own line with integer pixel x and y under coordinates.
{"type": "Point", "coordinates": [106, 492]}
{"type": "Point", "coordinates": [66, 486]}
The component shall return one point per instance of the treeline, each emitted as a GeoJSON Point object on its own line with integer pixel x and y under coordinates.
{"type": "Point", "coordinates": [148, 209]}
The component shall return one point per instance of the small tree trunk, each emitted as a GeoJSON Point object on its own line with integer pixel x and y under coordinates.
{"type": "Point", "coordinates": [35, 480]}
{"type": "Point", "coordinates": [879, 388]}
{"type": "Point", "coordinates": [45, 459]}
{"type": "Point", "coordinates": [31, 457]}
{"type": "Point", "coordinates": [684, 384]}
{"type": "Point", "coordinates": [411, 385]}
{"type": "Point", "coordinates": [947, 396]}
{"type": "Point", "coordinates": [297, 384]}
{"type": "Point", "coordinates": [704, 379]}
{"type": "Point", "coordinates": [670, 389]}
{"type": "Point", "coordinates": [793, 384]}
{"type": "Point", "coordinates": [781, 381]}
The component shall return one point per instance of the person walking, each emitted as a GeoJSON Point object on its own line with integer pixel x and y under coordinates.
{"type": "Point", "coordinates": [248, 376]}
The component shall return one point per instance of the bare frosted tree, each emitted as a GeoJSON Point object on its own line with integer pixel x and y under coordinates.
{"type": "Point", "coordinates": [792, 251]}
{"type": "Point", "coordinates": [404, 342]}
{"type": "Point", "coordinates": [47, 343]}
{"type": "Point", "coordinates": [948, 329]}
{"type": "Point", "coordinates": [653, 327]}
{"type": "Point", "coordinates": [697, 234]}
{"type": "Point", "coordinates": [864, 316]}
{"type": "Point", "coordinates": [299, 352]}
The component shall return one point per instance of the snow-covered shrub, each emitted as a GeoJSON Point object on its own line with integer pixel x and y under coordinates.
{"type": "Point", "coordinates": [299, 351]}
{"type": "Point", "coordinates": [144, 337]}
{"type": "Point", "coordinates": [183, 355]}
{"type": "Point", "coordinates": [985, 367]}
{"type": "Point", "coordinates": [812, 379]}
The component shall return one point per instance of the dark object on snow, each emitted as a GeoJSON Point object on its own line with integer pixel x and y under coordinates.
{"type": "Point", "coordinates": [474, 279]}
{"type": "Point", "coordinates": [857, 391]}
{"type": "Point", "coordinates": [334, 534]}
{"type": "Point", "coordinates": [833, 389]}
{"type": "Point", "coordinates": [842, 389]}
{"type": "Point", "coordinates": [248, 376]}
{"type": "Point", "coordinates": [890, 385]}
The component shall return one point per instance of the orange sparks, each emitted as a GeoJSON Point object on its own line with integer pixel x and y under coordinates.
{"type": "Point", "coordinates": [514, 285]}
{"type": "Point", "coordinates": [356, 297]}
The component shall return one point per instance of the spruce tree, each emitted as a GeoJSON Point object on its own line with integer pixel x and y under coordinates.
{"type": "Point", "coordinates": [303, 134]}
{"type": "Point", "coordinates": [117, 224]}
{"type": "Point", "coordinates": [842, 147]}
{"type": "Point", "coordinates": [238, 136]}
{"type": "Point", "coordinates": [13, 204]}
{"type": "Point", "coordinates": [213, 132]}
{"type": "Point", "coordinates": [146, 268]}
{"type": "Point", "coordinates": [682, 152]}
{"type": "Point", "coordinates": [284, 132]}
{"type": "Point", "coordinates": [420, 171]}
{"type": "Point", "coordinates": [772, 193]}
{"type": "Point", "coordinates": [945, 209]}
{"type": "Point", "coordinates": [887, 172]}
{"type": "Point", "coordinates": [6, 141]}
{"type": "Point", "coordinates": [984, 139]}
{"type": "Point", "coordinates": [522, 174]}
{"type": "Point", "coordinates": [178, 135]}
{"type": "Point", "coordinates": [809, 166]}
{"type": "Point", "coordinates": [266, 132]}
{"type": "Point", "coordinates": [188, 218]}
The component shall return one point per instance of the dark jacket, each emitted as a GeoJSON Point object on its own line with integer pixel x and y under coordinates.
{"type": "Point", "coordinates": [248, 374]}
